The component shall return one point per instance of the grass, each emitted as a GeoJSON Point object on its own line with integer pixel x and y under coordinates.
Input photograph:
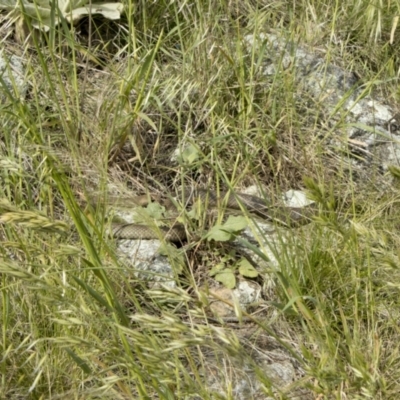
{"type": "Point", "coordinates": [104, 113]}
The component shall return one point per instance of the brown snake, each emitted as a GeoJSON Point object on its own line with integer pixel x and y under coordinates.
{"type": "Point", "coordinates": [284, 215]}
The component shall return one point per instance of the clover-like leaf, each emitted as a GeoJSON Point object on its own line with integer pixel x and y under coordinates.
{"type": "Point", "coordinates": [217, 269]}
{"type": "Point", "coordinates": [152, 213]}
{"type": "Point", "coordinates": [218, 234]}
{"type": "Point", "coordinates": [228, 230]}
{"type": "Point", "coordinates": [155, 210]}
{"type": "Point", "coordinates": [227, 278]}
{"type": "Point", "coordinates": [235, 223]}
{"type": "Point", "coordinates": [246, 269]}
{"type": "Point", "coordinates": [189, 155]}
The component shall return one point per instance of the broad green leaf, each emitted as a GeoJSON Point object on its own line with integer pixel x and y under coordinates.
{"type": "Point", "coordinates": [190, 154]}
{"type": "Point", "coordinates": [227, 231]}
{"type": "Point", "coordinates": [219, 234]}
{"type": "Point", "coordinates": [216, 269]}
{"type": "Point", "coordinates": [235, 223]}
{"type": "Point", "coordinates": [155, 210]}
{"type": "Point", "coordinates": [196, 210]}
{"type": "Point", "coordinates": [227, 278]}
{"type": "Point", "coordinates": [246, 269]}
{"type": "Point", "coordinates": [72, 10]}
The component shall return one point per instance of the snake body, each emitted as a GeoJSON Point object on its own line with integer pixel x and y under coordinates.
{"type": "Point", "coordinates": [288, 216]}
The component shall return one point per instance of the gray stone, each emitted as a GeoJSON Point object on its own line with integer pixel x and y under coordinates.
{"type": "Point", "coordinates": [12, 81]}
{"type": "Point", "coordinates": [336, 96]}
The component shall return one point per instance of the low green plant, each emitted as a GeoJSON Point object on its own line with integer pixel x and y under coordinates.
{"type": "Point", "coordinates": [228, 268]}
{"type": "Point", "coordinates": [45, 14]}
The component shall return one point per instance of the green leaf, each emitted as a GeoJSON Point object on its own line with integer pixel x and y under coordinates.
{"type": "Point", "coordinates": [216, 269]}
{"type": "Point", "coordinates": [189, 155]}
{"type": "Point", "coordinates": [235, 223]}
{"type": "Point", "coordinates": [227, 278]}
{"type": "Point", "coordinates": [246, 269]}
{"type": "Point", "coordinates": [196, 211]}
{"type": "Point", "coordinates": [228, 230]}
{"type": "Point", "coordinates": [218, 234]}
{"type": "Point", "coordinates": [155, 210]}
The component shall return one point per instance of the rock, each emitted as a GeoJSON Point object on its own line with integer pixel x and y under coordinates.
{"type": "Point", "coordinates": [222, 299]}
{"type": "Point", "coordinates": [336, 96]}
{"type": "Point", "coordinates": [143, 259]}
{"type": "Point", "coordinates": [12, 78]}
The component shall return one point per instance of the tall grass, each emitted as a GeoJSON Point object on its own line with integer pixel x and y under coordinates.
{"type": "Point", "coordinates": [75, 321]}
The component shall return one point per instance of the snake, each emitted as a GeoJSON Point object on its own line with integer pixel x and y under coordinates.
{"type": "Point", "coordinates": [284, 215]}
